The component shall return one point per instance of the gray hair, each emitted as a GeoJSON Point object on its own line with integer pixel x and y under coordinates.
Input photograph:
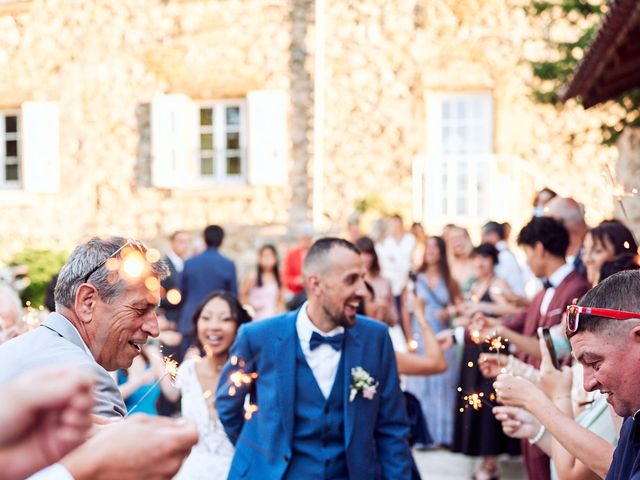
{"type": "Point", "coordinates": [88, 256]}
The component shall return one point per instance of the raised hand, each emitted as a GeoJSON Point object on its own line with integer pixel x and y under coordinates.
{"type": "Point", "coordinates": [45, 414]}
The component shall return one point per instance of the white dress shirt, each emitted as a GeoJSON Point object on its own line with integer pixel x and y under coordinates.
{"type": "Point", "coordinates": [395, 261]}
{"type": "Point", "coordinates": [52, 472]}
{"type": "Point", "coordinates": [555, 279]}
{"type": "Point", "coordinates": [323, 360]}
{"type": "Point", "coordinates": [178, 262]}
{"type": "Point", "coordinates": [508, 269]}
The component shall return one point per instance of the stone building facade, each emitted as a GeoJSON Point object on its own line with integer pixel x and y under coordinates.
{"type": "Point", "coordinates": [139, 117]}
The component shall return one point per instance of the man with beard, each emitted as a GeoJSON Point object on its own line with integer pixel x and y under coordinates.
{"type": "Point", "coordinates": [604, 330]}
{"type": "Point", "coordinates": [323, 384]}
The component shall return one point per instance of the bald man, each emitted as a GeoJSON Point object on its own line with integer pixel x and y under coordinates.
{"type": "Point", "coordinates": [571, 214]}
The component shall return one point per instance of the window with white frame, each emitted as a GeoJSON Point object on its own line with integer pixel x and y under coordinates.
{"type": "Point", "coordinates": [10, 148]}
{"type": "Point", "coordinates": [460, 147]}
{"type": "Point", "coordinates": [222, 151]}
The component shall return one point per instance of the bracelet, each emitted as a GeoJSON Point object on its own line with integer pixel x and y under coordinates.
{"type": "Point", "coordinates": [539, 435]}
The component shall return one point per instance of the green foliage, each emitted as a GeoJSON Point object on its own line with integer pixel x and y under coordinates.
{"type": "Point", "coordinates": [43, 264]}
{"type": "Point", "coordinates": [553, 75]}
{"type": "Point", "coordinates": [371, 203]}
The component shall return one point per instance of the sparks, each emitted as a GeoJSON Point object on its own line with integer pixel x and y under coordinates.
{"type": "Point", "coordinates": [495, 344]}
{"type": "Point", "coordinates": [170, 368]}
{"type": "Point", "coordinates": [249, 410]}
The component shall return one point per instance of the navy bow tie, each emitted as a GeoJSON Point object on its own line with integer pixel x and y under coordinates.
{"type": "Point", "coordinates": [546, 283]}
{"type": "Point", "coordinates": [335, 341]}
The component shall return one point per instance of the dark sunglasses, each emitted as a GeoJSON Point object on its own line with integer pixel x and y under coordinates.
{"type": "Point", "coordinates": [129, 243]}
{"type": "Point", "coordinates": [574, 311]}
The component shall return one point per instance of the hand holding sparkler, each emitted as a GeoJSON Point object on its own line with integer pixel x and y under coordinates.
{"type": "Point", "coordinates": [170, 370]}
{"type": "Point", "coordinates": [516, 391]}
{"type": "Point", "coordinates": [491, 364]}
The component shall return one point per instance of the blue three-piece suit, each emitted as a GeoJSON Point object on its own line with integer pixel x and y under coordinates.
{"type": "Point", "coordinates": [297, 433]}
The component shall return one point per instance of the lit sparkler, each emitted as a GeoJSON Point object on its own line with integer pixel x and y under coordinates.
{"type": "Point", "coordinates": [618, 191]}
{"type": "Point", "coordinates": [170, 368]}
{"type": "Point", "coordinates": [249, 410]}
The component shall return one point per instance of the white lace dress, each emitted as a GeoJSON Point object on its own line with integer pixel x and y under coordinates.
{"type": "Point", "coordinates": [211, 458]}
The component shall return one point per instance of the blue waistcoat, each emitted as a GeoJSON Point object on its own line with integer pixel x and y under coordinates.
{"type": "Point", "coordinates": [318, 445]}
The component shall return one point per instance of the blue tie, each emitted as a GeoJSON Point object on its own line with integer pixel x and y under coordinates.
{"type": "Point", "coordinates": [335, 341]}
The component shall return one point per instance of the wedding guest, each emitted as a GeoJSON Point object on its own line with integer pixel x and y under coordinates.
{"type": "Point", "coordinates": [476, 432]}
{"type": "Point", "coordinates": [545, 243]}
{"type": "Point", "coordinates": [353, 227]}
{"type": "Point", "coordinates": [571, 214]}
{"type": "Point", "coordinates": [459, 248]}
{"type": "Point", "coordinates": [385, 307]}
{"type": "Point", "coordinates": [417, 230]}
{"type": "Point", "coordinates": [215, 322]}
{"type": "Point", "coordinates": [292, 277]}
{"type": "Point", "coordinates": [103, 317]}
{"type": "Point", "coordinates": [262, 290]}
{"type": "Point", "coordinates": [440, 292]}
{"type": "Point", "coordinates": [508, 268]}
{"type": "Point", "coordinates": [603, 243]}
{"type": "Point", "coordinates": [203, 274]}
{"type": "Point", "coordinates": [394, 254]}
{"type": "Point", "coordinates": [136, 381]}
{"type": "Point", "coordinates": [179, 251]}
{"type": "Point", "coordinates": [541, 199]}
{"type": "Point", "coordinates": [10, 314]}
{"type": "Point", "coordinates": [606, 343]}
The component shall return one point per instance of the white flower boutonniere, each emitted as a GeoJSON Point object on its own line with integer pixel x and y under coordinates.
{"type": "Point", "coordinates": [361, 381]}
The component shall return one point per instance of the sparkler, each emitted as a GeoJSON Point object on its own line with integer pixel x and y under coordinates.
{"type": "Point", "coordinates": [618, 191]}
{"type": "Point", "coordinates": [170, 369]}
{"type": "Point", "coordinates": [496, 345]}
{"type": "Point", "coordinates": [476, 400]}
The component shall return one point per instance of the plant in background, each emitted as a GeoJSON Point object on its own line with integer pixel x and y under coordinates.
{"type": "Point", "coordinates": [42, 265]}
{"type": "Point", "coordinates": [563, 55]}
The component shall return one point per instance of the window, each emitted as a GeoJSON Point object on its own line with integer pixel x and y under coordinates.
{"type": "Point", "coordinates": [10, 149]}
{"type": "Point", "coordinates": [460, 147]}
{"type": "Point", "coordinates": [222, 150]}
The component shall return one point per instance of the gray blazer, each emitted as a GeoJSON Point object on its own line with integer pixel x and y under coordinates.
{"type": "Point", "coordinates": [57, 342]}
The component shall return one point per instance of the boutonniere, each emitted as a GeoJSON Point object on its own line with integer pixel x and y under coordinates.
{"type": "Point", "coordinates": [361, 381]}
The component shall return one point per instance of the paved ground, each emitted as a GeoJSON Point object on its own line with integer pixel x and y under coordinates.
{"type": "Point", "coordinates": [442, 465]}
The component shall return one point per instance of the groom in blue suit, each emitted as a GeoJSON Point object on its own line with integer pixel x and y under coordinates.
{"type": "Point", "coordinates": [318, 415]}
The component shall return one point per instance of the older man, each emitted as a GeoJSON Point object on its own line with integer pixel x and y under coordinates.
{"type": "Point", "coordinates": [604, 330]}
{"type": "Point", "coordinates": [106, 297]}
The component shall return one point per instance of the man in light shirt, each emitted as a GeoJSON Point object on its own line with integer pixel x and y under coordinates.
{"type": "Point", "coordinates": [395, 254]}
{"type": "Point", "coordinates": [507, 268]}
{"type": "Point", "coordinates": [106, 296]}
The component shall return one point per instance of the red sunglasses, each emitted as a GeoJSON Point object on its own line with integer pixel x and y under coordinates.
{"type": "Point", "coordinates": [574, 311]}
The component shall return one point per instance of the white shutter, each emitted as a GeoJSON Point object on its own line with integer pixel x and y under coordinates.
{"type": "Point", "coordinates": [174, 141]}
{"type": "Point", "coordinates": [268, 134]}
{"type": "Point", "coordinates": [40, 147]}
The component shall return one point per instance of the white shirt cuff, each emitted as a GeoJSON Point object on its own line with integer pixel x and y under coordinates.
{"type": "Point", "coordinates": [458, 333]}
{"type": "Point", "coordinates": [53, 472]}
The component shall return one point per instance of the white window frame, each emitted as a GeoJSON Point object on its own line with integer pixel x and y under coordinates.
{"type": "Point", "coordinates": [219, 137]}
{"type": "Point", "coordinates": [4, 137]}
{"type": "Point", "coordinates": [443, 197]}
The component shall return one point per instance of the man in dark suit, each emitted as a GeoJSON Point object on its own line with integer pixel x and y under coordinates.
{"type": "Point", "coordinates": [545, 242]}
{"type": "Point", "coordinates": [203, 274]}
{"type": "Point", "coordinates": [170, 306]}
{"type": "Point", "coordinates": [175, 257]}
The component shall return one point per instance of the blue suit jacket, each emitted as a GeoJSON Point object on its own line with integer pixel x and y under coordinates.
{"type": "Point", "coordinates": [204, 274]}
{"type": "Point", "coordinates": [375, 430]}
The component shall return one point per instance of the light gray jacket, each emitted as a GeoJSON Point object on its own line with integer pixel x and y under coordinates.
{"type": "Point", "coordinates": [57, 342]}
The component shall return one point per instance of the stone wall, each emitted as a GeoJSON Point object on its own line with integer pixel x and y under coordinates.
{"type": "Point", "coordinates": [103, 61]}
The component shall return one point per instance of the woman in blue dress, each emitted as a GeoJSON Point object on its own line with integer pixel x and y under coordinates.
{"type": "Point", "coordinates": [437, 393]}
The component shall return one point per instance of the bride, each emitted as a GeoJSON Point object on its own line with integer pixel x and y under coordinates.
{"type": "Point", "coordinates": [216, 322]}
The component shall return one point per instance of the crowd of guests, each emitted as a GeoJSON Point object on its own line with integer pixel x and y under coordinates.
{"type": "Point", "coordinates": [490, 349]}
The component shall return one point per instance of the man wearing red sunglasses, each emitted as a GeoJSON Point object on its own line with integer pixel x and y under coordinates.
{"type": "Point", "coordinates": [604, 330]}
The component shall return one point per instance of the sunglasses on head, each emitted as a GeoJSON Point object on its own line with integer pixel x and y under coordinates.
{"type": "Point", "coordinates": [129, 243]}
{"type": "Point", "coordinates": [574, 312]}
